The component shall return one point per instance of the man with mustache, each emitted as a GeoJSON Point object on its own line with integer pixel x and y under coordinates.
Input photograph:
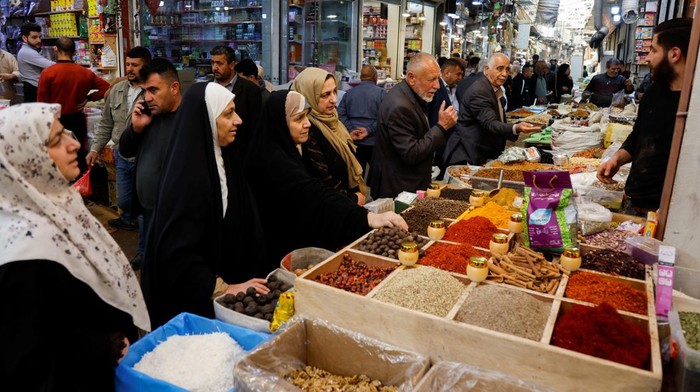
{"type": "Point", "coordinates": [405, 143]}
{"type": "Point", "coordinates": [481, 131]}
{"type": "Point", "coordinates": [116, 116]}
{"type": "Point", "coordinates": [649, 145]}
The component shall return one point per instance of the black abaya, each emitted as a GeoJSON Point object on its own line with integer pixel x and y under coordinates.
{"type": "Point", "coordinates": [190, 243]}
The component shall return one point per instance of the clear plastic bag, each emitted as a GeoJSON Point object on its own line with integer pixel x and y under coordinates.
{"type": "Point", "coordinates": [317, 343]}
{"type": "Point", "coordinates": [592, 217]}
{"type": "Point", "coordinates": [459, 377]}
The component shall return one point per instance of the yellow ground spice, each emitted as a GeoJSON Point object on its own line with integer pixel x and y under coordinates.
{"type": "Point", "coordinates": [498, 215]}
{"type": "Point", "coordinates": [505, 197]}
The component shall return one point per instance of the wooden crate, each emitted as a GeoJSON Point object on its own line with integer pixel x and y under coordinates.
{"type": "Point", "coordinates": [445, 339]}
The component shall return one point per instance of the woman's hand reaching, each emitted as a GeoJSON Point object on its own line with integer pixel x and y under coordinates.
{"type": "Point", "coordinates": [386, 219]}
{"type": "Point", "coordinates": [256, 283]}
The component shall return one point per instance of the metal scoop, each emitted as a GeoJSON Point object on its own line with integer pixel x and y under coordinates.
{"type": "Point", "coordinates": [498, 186]}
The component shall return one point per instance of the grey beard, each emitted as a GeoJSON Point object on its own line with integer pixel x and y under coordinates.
{"type": "Point", "coordinates": [428, 100]}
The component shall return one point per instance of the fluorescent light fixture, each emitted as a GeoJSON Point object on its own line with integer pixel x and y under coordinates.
{"type": "Point", "coordinates": [218, 8]}
{"type": "Point", "coordinates": [225, 8]}
{"type": "Point", "coordinates": [406, 14]}
{"type": "Point", "coordinates": [616, 18]}
{"type": "Point", "coordinates": [615, 10]}
{"type": "Point", "coordinates": [188, 5]}
{"type": "Point", "coordinates": [453, 16]}
{"type": "Point", "coordinates": [161, 4]}
{"type": "Point", "coordinates": [332, 16]}
{"type": "Point", "coordinates": [460, 25]}
{"type": "Point", "coordinates": [443, 23]}
{"type": "Point", "coordinates": [477, 2]}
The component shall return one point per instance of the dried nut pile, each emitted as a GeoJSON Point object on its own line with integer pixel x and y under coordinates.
{"type": "Point", "coordinates": [505, 310]}
{"type": "Point", "coordinates": [576, 161]}
{"type": "Point", "coordinates": [526, 268]}
{"type": "Point", "coordinates": [613, 262]}
{"type": "Point", "coordinates": [690, 323]}
{"type": "Point", "coordinates": [520, 166]}
{"type": "Point", "coordinates": [425, 289]}
{"type": "Point", "coordinates": [317, 380]}
{"type": "Point", "coordinates": [442, 208]}
{"type": "Point", "coordinates": [509, 175]}
{"type": "Point", "coordinates": [355, 277]}
{"type": "Point", "coordinates": [260, 306]}
{"type": "Point", "coordinates": [387, 241]}
{"type": "Point", "coordinates": [456, 194]}
{"type": "Point", "coordinates": [595, 153]}
{"type": "Point", "coordinates": [300, 271]}
{"type": "Point", "coordinates": [459, 171]}
{"type": "Point", "coordinates": [610, 239]}
{"type": "Point", "coordinates": [616, 186]}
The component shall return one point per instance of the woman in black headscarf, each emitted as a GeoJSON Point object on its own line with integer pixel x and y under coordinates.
{"type": "Point", "coordinates": [205, 232]}
{"type": "Point", "coordinates": [297, 209]}
{"type": "Point", "coordinates": [564, 83]}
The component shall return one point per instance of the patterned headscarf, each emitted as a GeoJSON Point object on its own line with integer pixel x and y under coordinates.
{"type": "Point", "coordinates": [42, 217]}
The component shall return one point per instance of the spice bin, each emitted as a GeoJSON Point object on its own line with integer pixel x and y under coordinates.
{"type": "Point", "coordinates": [536, 362]}
{"type": "Point", "coordinates": [342, 352]}
{"type": "Point", "coordinates": [686, 366]}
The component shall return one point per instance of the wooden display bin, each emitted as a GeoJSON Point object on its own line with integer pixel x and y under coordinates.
{"type": "Point", "coordinates": [619, 218]}
{"type": "Point", "coordinates": [446, 339]}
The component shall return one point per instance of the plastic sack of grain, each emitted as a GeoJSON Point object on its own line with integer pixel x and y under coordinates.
{"type": "Point", "coordinates": [129, 379]}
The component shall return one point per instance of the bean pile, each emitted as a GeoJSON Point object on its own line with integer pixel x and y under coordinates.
{"type": "Point", "coordinates": [418, 220]}
{"type": "Point", "coordinates": [314, 379]}
{"type": "Point", "coordinates": [610, 239]}
{"type": "Point", "coordinates": [355, 277]}
{"type": "Point", "coordinates": [452, 258]}
{"type": "Point", "coordinates": [690, 323]}
{"type": "Point", "coordinates": [596, 289]}
{"type": "Point", "coordinates": [387, 241]}
{"type": "Point", "coordinates": [504, 310]}
{"type": "Point", "coordinates": [425, 289]}
{"type": "Point", "coordinates": [527, 269]}
{"type": "Point", "coordinates": [456, 194]}
{"type": "Point", "coordinates": [613, 262]}
{"type": "Point", "coordinates": [442, 208]}
{"type": "Point", "coordinates": [250, 303]}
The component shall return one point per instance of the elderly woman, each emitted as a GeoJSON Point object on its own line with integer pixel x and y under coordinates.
{"type": "Point", "coordinates": [329, 153]}
{"type": "Point", "coordinates": [205, 234]}
{"type": "Point", "coordinates": [69, 301]}
{"type": "Point", "coordinates": [296, 208]}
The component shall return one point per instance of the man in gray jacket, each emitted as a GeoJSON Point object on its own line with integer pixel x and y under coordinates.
{"type": "Point", "coordinates": [116, 116]}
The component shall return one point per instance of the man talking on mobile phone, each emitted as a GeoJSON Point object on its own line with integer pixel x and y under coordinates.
{"type": "Point", "coordinates": [147, 137]}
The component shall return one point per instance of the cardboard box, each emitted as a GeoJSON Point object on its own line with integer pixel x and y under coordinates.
{"type": "Point", "coordinates": [336, 350]}
{"type": "Point", "coordinates": [458, 377]}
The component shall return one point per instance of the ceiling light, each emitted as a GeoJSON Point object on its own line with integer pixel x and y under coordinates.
{"type": "Point", "coordinates": [616, 18]}
{"type": "Point", "coordinates": [443, 23]}
{"type": "Point", "coordinates": [218, 8]}
{"type": "Point", "coordinates": [406, 14]}
{"type": "Point", "coordinates": [460, 25]}
{"type": "Point", "coordinates": [421, 17]}
{"type": "Point", "coordinates": [453, 16]}
{"type": "Point", "coordinates": [161, 4]}
{"type": "Point", "coordinates": [332, 16]}
{"type": "Point", "coordinates": [225, 8]}
{"type": "Point", "coordinates": [615, 10]}
{"type": "Point", "coordinates": [477, 2]}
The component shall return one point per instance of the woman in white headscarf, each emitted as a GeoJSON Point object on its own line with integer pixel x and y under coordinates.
{"type": "Point", "coordinates": [205, 235]}
{"type": "Point", "coordinates": [69, 300]}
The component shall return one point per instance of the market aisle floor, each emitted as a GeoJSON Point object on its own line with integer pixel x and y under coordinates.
{"type": "Point", "coordinates": [127, 240]}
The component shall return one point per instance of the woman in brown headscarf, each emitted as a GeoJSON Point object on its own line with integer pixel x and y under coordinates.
{"type": "Point", "coordinates": [329, 153]}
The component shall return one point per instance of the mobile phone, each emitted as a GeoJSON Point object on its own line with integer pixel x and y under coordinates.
{"type": "Point", "coordinates": [146, 111]}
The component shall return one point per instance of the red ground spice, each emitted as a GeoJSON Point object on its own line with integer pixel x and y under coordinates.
{"type": "Point", "coordinates": [452, 258]}
{"type": "Point", "coordinates": [602, 332]}
{"type": "Point", "coordinates": [596, 289]}
{"type": "Point", "coordinates": [476, 231]}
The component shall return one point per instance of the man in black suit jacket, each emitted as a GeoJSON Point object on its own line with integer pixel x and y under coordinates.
{"type": "Point", "coordinates": [523, 90]}
{"type": "Point", "coordinates": [405, 142]}
{"type": "Point", "coordinates": [481, 129]}
{"type": "Point", "coordinates": [248, 98]}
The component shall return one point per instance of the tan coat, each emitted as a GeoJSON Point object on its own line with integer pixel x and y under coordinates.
{"type": "Point", "coordinates": [8, 64]}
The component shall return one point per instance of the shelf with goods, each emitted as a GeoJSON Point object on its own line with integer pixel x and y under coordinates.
{"type": "Point", "coordinates": [643, 36]}
{"type": "Point", "coordinates": [186, 31]}
{"type": "Point", "coordinates": [374, 38]}
{"type": "Point", "coordinates": [413, 38]}
{"type": "Point", "coordinates": [320, 35]}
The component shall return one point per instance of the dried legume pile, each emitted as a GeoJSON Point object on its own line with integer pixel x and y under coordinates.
{"type": "Point", "coordinates": [452, 258]}
{"type": "Point", "coordinates": [596, 289]}
{"type": "Point", "coordinates": [498, 215]}
{"type": "Point", "coordinates": [456, 194]}
{"type": "Point", "coordinates": [313, 379]}
{"type": "Point", "coordinates": [611, 239]}
{"type": "Point", "coordinates": [505, 310]}
{"type": "Point", "coordinates": [387, 241]}
{"type": "Point", "coordinates": [590, 153]}
{"type": "Point", "coordinates": [477, 231]}
{"type": "Point", "coordinates": [355, 276]}
{"type": "Point", "coordinates": [690, 323]}
{"type": "Point", "coordinates": [602, 332]}
{"type": "Point", "coordinates": [193, 362]}
{"type": "Point", "coordinates": [425, 289]}
{"type": "Point", "coordinates": [418, 220]}
{"type": "Point", "coordinates": [442, 208]}
{"type": "Point", "coordinates": [613, 262]}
